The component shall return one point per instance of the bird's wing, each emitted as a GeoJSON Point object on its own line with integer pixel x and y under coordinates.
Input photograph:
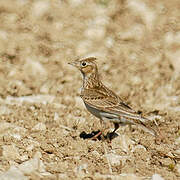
{"type": "Point", "coordinates": [107, 101]}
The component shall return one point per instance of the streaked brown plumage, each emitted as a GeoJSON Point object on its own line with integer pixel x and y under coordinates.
{"type": "Point", "coordinates": [103, 102]}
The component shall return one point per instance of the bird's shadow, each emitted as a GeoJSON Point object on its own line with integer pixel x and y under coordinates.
{"type": "Point", "coordinates": [108, 136]}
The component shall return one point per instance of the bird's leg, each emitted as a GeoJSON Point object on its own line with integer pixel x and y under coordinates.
{"type": "Point", "coordinates": [96, 136]}
{"type": "Point", "coordinates": [112, 135]}
{"type": "Point", "coordinates": [116, 126]}
{"type": "Point", "coordinates": [100, 132]}
{"type": "Point", "coordinates": [103, 131]}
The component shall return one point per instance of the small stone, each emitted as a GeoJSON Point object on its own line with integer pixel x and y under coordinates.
{"type": "Point", "coordinates": [33, 165]}
{"type": "Point", "coordinates": [136, 32]}
{"type": "Point", "coordinates": [109, 42]}
{"type": "Point", "coordinates": [123, 142]}
{"type": "Point", "coordinates": [174, 58]}
{"type": "Point", "coordinates": [177, 141]}
{"type": "Point", "coordinates": [35, 68]}
{"type": "Point", "coordinates": [171, 38]}
{"type": "Point", "coordinates": [62, 176]}
{"type": "Point", "coordinates": [178, 168]}
{"type": "Point", "coordinates": [76, 3]}
{"type": "Point", "coordinates": [30, 147]}
{"type": "Point", "coordinates": [39, 127]}
{"type": "Point", "coordinates": [12, 174]}
{"type": "Point", "coordinates": [136, 80]}
{"type": "Point", "coordinates": [82, 169]}
{"type": "Point", "coordinates": [166, 162]}
{"type": "Point", "coordinates": [157, 177]}
{"type": "Point", "coordinates": [97, 33]}
{"type": "Point", "coordinates": [83, 47]}
{"type": "Point", "coordinates": [10, 152]}
{"type": "Point", "coordinates": [116, 160]}
{"type": "Point", "coordinates": [4, 127]}
{"type": "Point", "coordinates": [95, 153]}
{"type": "Point", "coordinates": [16, 136]}
{"type": "Point", "coordinates": [141, 8]}
{"type": "Point", "coordinates": [40, 7]}
{"type": "Point", "coordinates": [4, 110]}
{"type": "Point", "coordinates": [81, 120]}
{"type": "Point", "coordinates": [56, 116]}
{"type": "Point", "coordinates": [79, 102]}
{"type": "Point", "coordinates": [48, 148]}
{"type": "Point", "coordinates": [44, 99]}
{"type": "Point", "coordinates": [44, 89]}
{"type": "Point", "coordinates": [3, 35]}
{"type": "Point", "coordinates": [24, 158]}
{"type": "Point", "coordinates": [123, 176]}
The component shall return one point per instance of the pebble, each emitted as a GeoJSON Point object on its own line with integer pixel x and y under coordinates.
{"type": "Point", "coordinates": [4, 110]}
{"type": "Point", "coordinates": [79, 102]}
{"type": "Point", "coordinates": [44, 99]}
{"type": "Point", "coordinates": [12, 174]}
{"type": "Point", "coordinates": [3, 35]}
{"type": "Point", "coordinates": [35, 68]}
{"type": "Point", "coordinates": [139, 7]}
{"type": "Point", "coordinates": [83, 47]}
{"type": "Point", "coordinates": [82, 169]}
{"type": "Point", "coordinates": [116, 160]}
{"type": "Point", "coordinates": [135, 32]}
{"type": "Point", "coordinates": [40, 7]}
{"type": "Point", "coordinates": [97, 33]}
{"type": "Point", "coordinates": [174, 57]}
{"type": "Point", "coordinates": [178, 168]}
{"type": "Point", "coordinates": [56, 116]}
{"type": "Point", "coordinates": [157, 177]}
{"type": "Point", "coordinates": [123, 176]}
{"type": "Point", "coordinates": [10, 152]}
{"type": "Point", "coordinates": [177, 141]}
{"type": "Point", "coordinates": [39, 127]}
{"type": "Point", "coordinates": [171, 37]}
{"type": "Point", "coordinates": [33, 165]}
{"type": "Point", "coordinates": [123, 142]}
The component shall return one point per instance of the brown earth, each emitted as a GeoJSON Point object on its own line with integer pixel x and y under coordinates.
{"type": "Point", "coordinates": [137, 44]}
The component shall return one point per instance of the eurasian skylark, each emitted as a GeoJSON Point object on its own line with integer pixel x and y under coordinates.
{"type": "Point", "coordinates": [104, 103]}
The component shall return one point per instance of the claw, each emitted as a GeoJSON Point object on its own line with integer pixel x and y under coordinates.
{"type": "Point", "coordinates": [96, 136]}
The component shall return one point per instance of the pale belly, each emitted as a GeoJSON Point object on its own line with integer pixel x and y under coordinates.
{"type": "Point", "coordinates": [105, 115]}
{"type": "Point", "coordinates": [93, 111]}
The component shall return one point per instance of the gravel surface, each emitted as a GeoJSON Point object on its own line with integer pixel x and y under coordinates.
{"type": "Point", "coordinates": [137, 44]}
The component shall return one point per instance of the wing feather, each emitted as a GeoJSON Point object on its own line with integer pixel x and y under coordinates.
{"type": "Point", "coordinates": [107, 101]}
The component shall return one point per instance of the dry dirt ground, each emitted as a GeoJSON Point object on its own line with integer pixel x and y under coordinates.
{"type": "Point", "coordinates": [137, 44]}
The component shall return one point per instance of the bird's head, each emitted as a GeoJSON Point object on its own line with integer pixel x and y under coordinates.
{"type": "Point", "coordinates": [87, 66]}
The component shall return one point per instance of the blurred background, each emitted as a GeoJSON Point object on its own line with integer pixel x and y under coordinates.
{"type": "Point", "coordinates": [136, 42]}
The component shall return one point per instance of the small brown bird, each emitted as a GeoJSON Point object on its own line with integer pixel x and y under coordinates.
{"type": "Point", "coordinates": [104, 103]}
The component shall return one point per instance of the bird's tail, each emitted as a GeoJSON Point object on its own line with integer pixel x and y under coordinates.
{"type": "Point", "coordinates": [148, 129]}
{"type": "Point", "coordinates": [142, 122]}
{"type": "Point", "coordinates": [136, 119]}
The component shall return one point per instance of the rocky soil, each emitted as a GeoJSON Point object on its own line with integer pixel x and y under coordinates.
{"type": "Point", "coordinates": [137, 45]}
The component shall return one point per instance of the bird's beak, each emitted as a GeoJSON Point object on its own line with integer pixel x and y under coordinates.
{"type": "Point", "coordinates": [71, 63]}
{"type": "Point", "coordinates": [74, 63]}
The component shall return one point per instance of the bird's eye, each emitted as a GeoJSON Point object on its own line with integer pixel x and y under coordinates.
{"type": "Point", "coordinates": [83, 64]}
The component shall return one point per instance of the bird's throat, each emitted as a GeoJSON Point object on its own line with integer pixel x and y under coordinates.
{"type": "Point", "coordinates": [91, 80]}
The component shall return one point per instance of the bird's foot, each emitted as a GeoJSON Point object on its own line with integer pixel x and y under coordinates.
{"type": "Point", "coordinates": [96, 136]}
{"type": "Point", "coordinates": [110, 136]}
{"type": "Point", "coordinates": [99, 135]}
